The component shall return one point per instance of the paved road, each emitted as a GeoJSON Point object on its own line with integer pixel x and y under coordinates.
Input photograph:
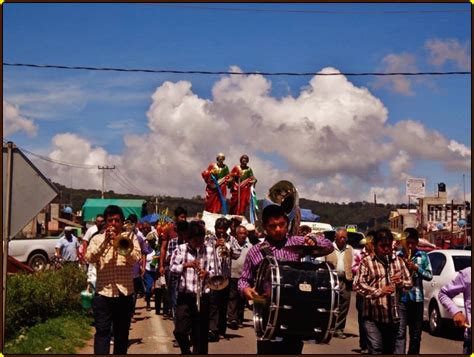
{"type": "Point", "coordinates": [150, 334]}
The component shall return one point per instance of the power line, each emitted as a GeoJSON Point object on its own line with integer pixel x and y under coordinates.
{"type": "Point", "coordinates": [124, 182]}
{"type": "Point", "coordinates": [130, 183]}
{"type": "Point", "coordinates": [173, 71]}
{"type": "Point", "coordinates": [80, 166]}
{"type": "Point", "coordinates": [310, 11]}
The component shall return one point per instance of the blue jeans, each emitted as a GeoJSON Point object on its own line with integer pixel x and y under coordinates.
{"type": "Point", "coordinates": [467, 347]}
{"type": "Point", "coordinates": [148, 279]}
{"type": "Point", "coordinates": [172, 281]}
{"type": "Point", "coordinates": [381, 337]}
{"type": "Point", "coordinates": [411, 316]}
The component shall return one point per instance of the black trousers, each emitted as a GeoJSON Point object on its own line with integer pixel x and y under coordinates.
{"type": "Point", "coordinates": [236, 306]}
{"type": "Point", "coordinates": [108, 311]}
{"type": "Point", "coordinates": [360, 320]}
{"type": "Point", "coordinates": [287, 346]}
{"type": "Point", "coordinates": [191, 322]}
{"type": "Point", "coordinates": [218, 310]}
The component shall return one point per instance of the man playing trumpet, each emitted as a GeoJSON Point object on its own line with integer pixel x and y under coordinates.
{"type": "Point", "coordinates": [114, 253]}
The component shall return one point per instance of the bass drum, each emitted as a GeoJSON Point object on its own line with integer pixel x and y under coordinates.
{"type": "Point", "coordinates": [298, 299]}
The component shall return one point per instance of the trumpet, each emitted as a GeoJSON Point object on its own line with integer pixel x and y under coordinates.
{"type": "Point", "coordinates": [124, 241]}
{"type": "Point", "coordinates": [219, 281]}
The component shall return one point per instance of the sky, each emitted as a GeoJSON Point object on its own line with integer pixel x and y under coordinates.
{"type": "Point", "coordinates": [337, 138]}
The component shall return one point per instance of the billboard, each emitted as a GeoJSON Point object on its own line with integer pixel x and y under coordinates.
{"type": "Point", "coordinates": [415, 187]}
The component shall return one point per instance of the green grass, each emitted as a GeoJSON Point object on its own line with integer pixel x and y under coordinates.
{"type": "Point", "coordinates": [60, 335]}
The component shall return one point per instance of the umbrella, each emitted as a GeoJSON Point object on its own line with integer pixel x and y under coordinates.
{"type": "Point", "coordinates": [154, 217]}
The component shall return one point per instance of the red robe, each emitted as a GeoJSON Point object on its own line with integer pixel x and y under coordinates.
{"type": "Point", "coordinates": [247, 179]}
{"type": "Point", "coordinates": [212, 201]}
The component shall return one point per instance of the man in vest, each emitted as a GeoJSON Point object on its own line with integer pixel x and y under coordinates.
{"type": "Point", "coordinates": [341, 260]}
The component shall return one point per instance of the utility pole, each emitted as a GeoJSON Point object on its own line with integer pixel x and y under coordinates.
{"type": "Point", "coordinates": [465, 208]}
{"type": "Point", "coordinates": [156, 204]}
{"type": "Point", "coordinates": [375, 210]}
{"type": "Point", "coordinates": [103, 176]}
{"type": "Point", "coordinates": [452, 221]}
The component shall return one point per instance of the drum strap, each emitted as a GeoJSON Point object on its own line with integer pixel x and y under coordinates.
{"type": "Point", "coordinates": [265, 250]}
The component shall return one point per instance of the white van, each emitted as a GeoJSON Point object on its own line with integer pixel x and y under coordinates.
{"type": "Point", "coordinates": [317, 226]}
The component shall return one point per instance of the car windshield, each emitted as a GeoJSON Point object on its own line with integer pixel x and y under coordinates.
{"type": "Point", "coordinates": [461, 262]}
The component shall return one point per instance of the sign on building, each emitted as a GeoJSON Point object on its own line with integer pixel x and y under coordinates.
{"type": "Point", "coordinates": [416, 187]}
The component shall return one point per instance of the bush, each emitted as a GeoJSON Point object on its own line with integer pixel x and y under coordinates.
{"type": "Point", "coordinates": [34, 298]}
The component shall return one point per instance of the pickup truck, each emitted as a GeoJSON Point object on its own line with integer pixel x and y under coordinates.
{"type": "Point", "coordinates": [35, 252]}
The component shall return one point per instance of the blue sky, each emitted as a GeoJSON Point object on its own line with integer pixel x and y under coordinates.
{"type": "Point", "coordinates": [107, 115]}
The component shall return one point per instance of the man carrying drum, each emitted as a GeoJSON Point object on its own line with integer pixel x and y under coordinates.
{"type": "Point", "coordinates": [275, 222]}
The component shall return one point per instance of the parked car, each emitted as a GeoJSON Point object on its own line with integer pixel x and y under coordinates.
{"type": "Point", "coordinates": [36, 252]}
{"type": "Point", "coordinates": [445, 264]}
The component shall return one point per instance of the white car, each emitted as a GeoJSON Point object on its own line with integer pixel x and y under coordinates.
{"type": "Point", "coordinates": [445, 264]}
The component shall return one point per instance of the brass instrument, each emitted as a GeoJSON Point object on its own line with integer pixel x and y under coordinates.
{"type": "Point", "coordinates": [124, 241]}
{"type": "Point", "coordinates": [198, 288]}
{"type": "Point", "coordinates": [219, 281]}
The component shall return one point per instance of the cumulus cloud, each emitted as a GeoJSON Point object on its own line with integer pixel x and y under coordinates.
{"type": "Point", "coordinates": [442, 51]}
{"type": "Point", "coordinates": [404, 62]}
{"type": "Point", "coordinates": [422, 143]}
{"type": "Point", "coordinates": [14, 122]}
{"type": "Point", "coordinates": [330, 140]}
{"type": "Point", "coordinates": [400, 165]}
{"type": "Point", "coordinates": [71, 148]}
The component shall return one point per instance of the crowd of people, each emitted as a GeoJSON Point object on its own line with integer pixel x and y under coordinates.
{"type": "Point", "coordinates": [203, 281]}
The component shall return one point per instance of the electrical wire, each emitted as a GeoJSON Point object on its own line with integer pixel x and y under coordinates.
{"type": "Point", "coordinates": [173, 71]}
{"type": "Point", "coordinates": [80, 166]}
{"type": "Point", "coordinates": [124, 177]}
{"type": "Point", "coordinates": [310, 11]}
{"type": "Point", "coordinates": [125, 183]}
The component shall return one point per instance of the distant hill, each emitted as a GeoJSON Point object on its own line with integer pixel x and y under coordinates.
{"type": "Point", "coordinates": [364, 214]}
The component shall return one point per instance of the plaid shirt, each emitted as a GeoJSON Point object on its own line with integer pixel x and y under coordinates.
{"type": "Point", "coordinates": [255, 257]}
{"type": "Point", "coordinates": [370, 279]}
{"type": "Point", "coordinates": [226, 263]}
{"type": "Point", "coordinates": [172, 245]}
{"type": "Point", "coordinates": [188, 281]}
{"type": "Point", "coordinates": [424, 273]}
{"type": "Point", "coordinates": [114, 271]}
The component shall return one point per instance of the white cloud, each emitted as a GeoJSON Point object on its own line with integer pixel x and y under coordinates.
{"type": "Point", "coordinates": [399, 166]}
{"type": "Point", "coordinates": [14, 121]}
{"type": "Point", "coordinates": [442, 51]}
{"type": "Point", "coordinates": [331, 139]}
{"type": "Point", "coordinates": [404, 62]}
{"type": "Point", "coordinates": [422, 143]}
{"type": "Point", "coordinates": [385, 195]}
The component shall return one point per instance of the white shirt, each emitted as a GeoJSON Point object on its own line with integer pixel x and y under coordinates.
{"type": "Point", "coordinates": [340, 257]}
{"type": "Point", "coordinates": [90, 232]}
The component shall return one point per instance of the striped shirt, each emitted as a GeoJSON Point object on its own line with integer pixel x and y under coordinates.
{"type": "Point", "coordinates": [114, 271]}
{"type": "Point", "coordinates": [225, 264]}
{"type": "Point", "coordinates": [188, 280]}
{"type": "Point", "coordinates": [370, 279]}
{"type": "Point", "coordinates": [421, 259]}
{"type": "Point", "coordinates": [255, 256]}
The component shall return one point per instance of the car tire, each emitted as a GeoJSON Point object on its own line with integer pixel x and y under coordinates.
{"type": "Point", "coordinates": [37, 261]}
{"type": "Point", "coordinates": [435, 321]}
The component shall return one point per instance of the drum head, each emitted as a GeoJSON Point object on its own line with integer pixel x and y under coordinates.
{"type": "Point", "coordinates": [264, 311]}
{"type": "Point", "coordinates": [296, 299]}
